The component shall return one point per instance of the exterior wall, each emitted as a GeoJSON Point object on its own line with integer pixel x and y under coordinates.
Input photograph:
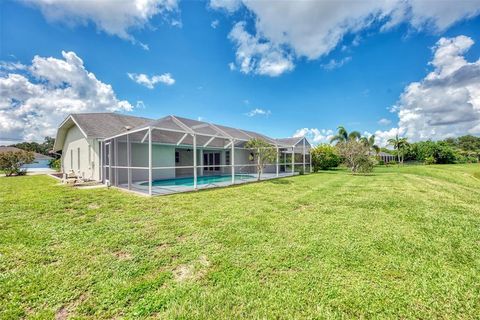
{"type": "Point", "coordinates": [75, 141]}
{"type": "Point", "coordinates": [185, 159]}
{"type": "Point", "coordinates": [162, 156]}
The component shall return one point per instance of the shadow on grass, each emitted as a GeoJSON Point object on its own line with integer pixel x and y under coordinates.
{"type": "Point", "coordinates": [281, 181]}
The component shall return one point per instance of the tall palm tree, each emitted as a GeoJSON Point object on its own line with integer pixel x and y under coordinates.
{"type": "Point", "coordinates": [398, 144]}
{"type": "Point", "coordinates": [343, 135]}
{"type": "Point", "coordinates": [370, 143]}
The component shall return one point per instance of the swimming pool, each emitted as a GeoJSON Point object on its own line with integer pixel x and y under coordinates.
{"type": "Point", "coordinates": [201, 180]}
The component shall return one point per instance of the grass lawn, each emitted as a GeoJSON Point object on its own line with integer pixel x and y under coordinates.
{"type": "Point", "coordinates": [401, 243]}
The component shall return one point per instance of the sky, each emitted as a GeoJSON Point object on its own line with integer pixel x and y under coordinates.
{"type": "Point", "coordinates": [283, 68]}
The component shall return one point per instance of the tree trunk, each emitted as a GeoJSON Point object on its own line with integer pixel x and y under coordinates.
{"type": "Point", "coordinates": [259, 168]}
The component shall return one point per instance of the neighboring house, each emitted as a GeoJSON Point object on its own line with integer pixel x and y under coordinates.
{"type": "Point", "coordinates": [40, 161]}
{"type": "Point", "coordinates": [167, 155]}
{"type": "Point", "coordinates": [383, 156]}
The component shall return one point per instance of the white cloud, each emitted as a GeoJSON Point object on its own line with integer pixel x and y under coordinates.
{"type": "Point", "coordinates": [446, 102]}
{"type": "Point", "coordinates": [315, 135]}
{"type": "Point", "coordinates": [288, 30]}
{"type": "Point", "coordinates": [11, 66]}
{"type": "Point", "coordinates": [32, 104]}
{"type": "Point", "coordinates": [381, 137]}
{"type": "Point", "coordinates": [256, 56]}
{"type": "Point", "coordinates": [113, 17]}
{"type": "Point", "coordinates": [215, 24]}
{"type": "Point", "coordinates": [384, 122]}
{"type": "Point", "coordinates": [228, 5]}
{"type": "Point", "coordinates": [334, 64]}
{"type": "Point", "coordinates": [150, 82]}
{"type": "Point", "coordinates": [258, 112]}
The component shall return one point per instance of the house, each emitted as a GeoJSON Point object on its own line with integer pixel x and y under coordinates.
{"type": "Point", "coordinates": [386, 157]}
{"type": "Point", "coordinates": [41, 162]}
{"type": "Point", "coordinates": [383, 156]}
{"type": "Point", "coordinates": [171, 154]}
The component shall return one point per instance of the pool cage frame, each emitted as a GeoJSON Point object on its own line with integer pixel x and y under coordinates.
{"type": "Point", "coordinates": [140, 157]}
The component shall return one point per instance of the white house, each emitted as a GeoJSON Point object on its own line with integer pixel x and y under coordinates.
{"type": "Point", "coordinates": [171, 154]}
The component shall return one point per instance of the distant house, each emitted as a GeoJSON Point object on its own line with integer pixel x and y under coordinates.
{"type": "Point", "coordinates": [384, 156]}
{"type": "Point", "coordinates": [40, 161]}
{"type": "Point", "coordinates": [171, 154]}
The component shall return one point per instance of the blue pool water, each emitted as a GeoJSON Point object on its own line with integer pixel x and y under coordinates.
{"type": "Point", "coordinates": [188, 182]}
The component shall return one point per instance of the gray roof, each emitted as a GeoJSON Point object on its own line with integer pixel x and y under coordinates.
{"type": "Point", "coordinates": [103, 125]}
{"type": "Point", "coordinates": [289, 141]}
{"type": "Point", "coordinates": [381, 153]}
{"type": "Point", "coordinates": [176, 123]}
{"type": "Point", "coordinates": [107, 125]}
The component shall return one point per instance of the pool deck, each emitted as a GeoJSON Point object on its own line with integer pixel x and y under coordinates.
{"type": "Point", "coordinates": [165, 190]}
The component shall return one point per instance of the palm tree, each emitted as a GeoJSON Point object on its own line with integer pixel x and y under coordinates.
{"type": "Point", "coordinates": [343, 135]}
{"type": "Point", "coordinates": [370, 143]}
{"type": "Point", "coordinates": [398, 144]}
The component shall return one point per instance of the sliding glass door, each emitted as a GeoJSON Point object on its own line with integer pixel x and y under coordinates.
{"type": "Point", "coordinates": [211, 162]}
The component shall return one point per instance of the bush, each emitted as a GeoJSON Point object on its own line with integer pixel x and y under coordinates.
{"type": "Point", "coordinates": [381, 162]}
{"type": "Point", "coordinates": [355, 156]}
{"type": "Point", "coordinates": [11, 162]}
{"type": "Point", "coordinates": [55, 164]}
{"type": "Point", "coordinates": [324, 156]}
{"type": "Point", "coordinates": [429, 160]}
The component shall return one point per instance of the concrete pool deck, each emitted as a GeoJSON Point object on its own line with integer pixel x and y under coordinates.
{"type": "Point", "coordinates": [171, 189]}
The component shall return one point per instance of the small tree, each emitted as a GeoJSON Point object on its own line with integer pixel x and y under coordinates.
{"type": "Point", "coordinates": [263, 153]}
{"type": "Point", "coordinates": [356, 156]}
{"type": "Point", "coordinates": [11, 162]}
{"type": "Point", "coordinates": [399, 144]}
{"type": "Point", "coordinates": [324, 156]}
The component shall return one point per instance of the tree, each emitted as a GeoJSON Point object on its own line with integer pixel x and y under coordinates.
{"type": "Point", "coordinates": [11, 162]}
{"type": "Point", "coordinates": [399, 144]}
{"type": "Point", "coordinates": [43, 148]}
{"type": "Point", "coordinates": [355, 155]}
{"type": "Point", "coordinates": [370, 143]}
{"type": "Point", "coordinates": [343, 135]}
{"type": "Point", "coordinates": [324, 156]}
{"type": "Point", "coordinates": [263, 153]}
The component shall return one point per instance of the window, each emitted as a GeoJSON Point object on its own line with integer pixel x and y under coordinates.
{"type": "Point", "coordinates": [78, 159]}
{"type": "Point", "coordinates": [227, 158]}
{"type": "Point", "coordinates": [211, 160]}
{"type": "Point", "coordinates": [205, 161]}
{"type": "Point", "coordinates": [71, 159]}
{"type": "Point", "coordinates": [217, 161]}
{"type": "Point", "coordinates": [177, 157]}
{"type": "Point", "coordinates": [89, 156]}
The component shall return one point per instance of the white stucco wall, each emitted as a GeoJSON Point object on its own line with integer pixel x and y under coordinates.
{"type": "Point", "coordinates": [162, 156]}
{"type": "Point", "coordinates": [80, 155]}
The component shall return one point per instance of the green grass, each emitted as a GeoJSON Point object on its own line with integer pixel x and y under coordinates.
{"type": "Point", "coordinates": [401, 243]}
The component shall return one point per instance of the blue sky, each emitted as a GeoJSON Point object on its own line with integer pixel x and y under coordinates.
{"type": "Point", "coordinates": [354, 82]}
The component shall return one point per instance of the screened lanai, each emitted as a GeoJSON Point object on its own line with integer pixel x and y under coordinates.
{"type": "Point", "coordinates": [175, 154]}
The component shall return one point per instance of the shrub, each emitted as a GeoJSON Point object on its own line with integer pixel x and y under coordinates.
{"type": "Point", "coordinates": [381, 162]}
{"type": "Point", "coordinates": [11, 162]}
{"type": "Point", "coordinates": [355, 156]}
{"type": "Point", "coordinates": [324, 156]}
{"type": "Point", "coordinates": [429, 160]}
{"type": "Point", "coordinates": [55, 164]}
